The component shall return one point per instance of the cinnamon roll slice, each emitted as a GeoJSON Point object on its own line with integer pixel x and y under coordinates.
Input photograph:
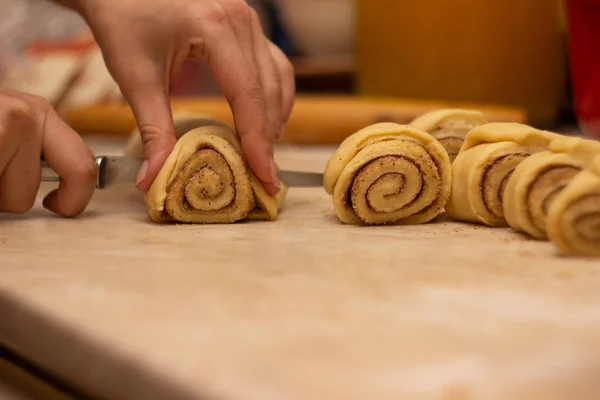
{"type": "Point", "coordinates": [207, 180]}
{"type": "Point", "coordinates": [539, 179]}
{"type": "Point", "coordinates": [573, 223]}
{"type": "Point", "coordinates": [484, 166]}
{"type": "Point", "coordinates": [389, 174]}
{"type": "Point", "coordinates": [450, 126]}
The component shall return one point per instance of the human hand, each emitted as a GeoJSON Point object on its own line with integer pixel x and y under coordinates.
{"type": "Point", "coordinates": [29, 130]}
{"type": "Point", "coordinates": [145, 44]}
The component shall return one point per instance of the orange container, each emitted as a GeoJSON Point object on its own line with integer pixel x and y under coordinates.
{"type": "Point", "coordinates": [507, 52]}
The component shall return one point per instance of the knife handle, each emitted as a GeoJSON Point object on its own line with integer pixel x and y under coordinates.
{"type": "Point", "coordinates": [48, 174]}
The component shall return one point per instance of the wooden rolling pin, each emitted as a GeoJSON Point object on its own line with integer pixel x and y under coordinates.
{"type": "Point", "coordinates": [315, 119]}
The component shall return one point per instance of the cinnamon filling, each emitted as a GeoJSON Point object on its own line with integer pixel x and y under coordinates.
{"type": "Point", "coordinates": [586, 221]}
{"type": "Point", "coordinates": [399, 186]}
{"type": "Point", "coordinates": [544, 190]}
{"type": "Point", "coordinates": [495, 179]}
{"type": "Point", "coordinates": [452, 144]}
{"type": "Point", "coordinates": [206, 189]}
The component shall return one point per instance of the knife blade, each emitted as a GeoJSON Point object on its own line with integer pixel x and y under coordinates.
{"type": "Point", "coordinates": [113, 170]}
{"type": "Point", "coordinates": [300, 178]}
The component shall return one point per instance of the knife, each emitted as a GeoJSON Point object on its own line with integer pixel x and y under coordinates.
{"type": "Point", "coordinates": [124, 169]}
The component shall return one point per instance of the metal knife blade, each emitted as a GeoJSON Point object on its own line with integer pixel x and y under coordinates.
{"type": "Point", "coordinates": [111, 170]}
{"type": "Point", "coordinates": [117, 169]}
{"type": "Point", "coordinates": [124, 169]}
{"type": "Point", "coordinates": [300, 178]}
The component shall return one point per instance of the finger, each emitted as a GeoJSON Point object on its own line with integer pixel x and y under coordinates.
{"type": "Point", "coordinates": [288, 85]}
{"type": "Point", "coordinates": [145, 89]}
{"type": "Point", "coordinates": [251, 43]}
{"type": "Point", "coordinates": [67, 154]}
{"type": "Point", "coordinates": [241, 86]}
{"type": "Point", "coordinates": [238, 16]}
{"type": "Point", "coordinates": [16, 116]}
{"type": "Point", "coordinates": [21, 178]}
{"type": "Point", "coordinates": [269, 78]}
{"type": "Point", "coordinates": [20, 134]}
{"type": "Point", "coordinates": [143, 72]}
{"type": "Point", "coordinates": [9, 144]}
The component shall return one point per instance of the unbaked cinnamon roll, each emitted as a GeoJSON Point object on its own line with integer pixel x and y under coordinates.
{"type": "Point", "coordinates": [538, 180]}
{"type": "Point", "coordinates": [484, 165]}
{"type": "Point", "coordinates": [389, 174]}
{"type": "Point", "coordinates": [207, 180]}
{"type": "Point", "coordinates": [449, 126]}
{"type": "Point", "coordinates": [573, 222]}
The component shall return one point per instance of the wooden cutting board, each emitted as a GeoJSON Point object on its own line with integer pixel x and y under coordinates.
{"type": "Point", "coordinates": [315, 119]}
{"type": "Point", "coordinates": [300, 308]}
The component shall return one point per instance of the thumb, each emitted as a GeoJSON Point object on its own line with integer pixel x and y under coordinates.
{"type": "Point", "coordinates": [145, 88]}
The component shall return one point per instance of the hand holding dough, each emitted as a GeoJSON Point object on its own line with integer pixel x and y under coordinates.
{"type": "Point", "coordinates": [483, 168]}
{"type": "Point", "coordinates": [206, 179]}
{"type": "Point", "coordinates": [539, 179]}
{"type": "Point", "coordinates": [574, 216]}
{"type": "Point", "coordinates": [389, 173]}
{"type": "Point", "coordinates": [449, 126]}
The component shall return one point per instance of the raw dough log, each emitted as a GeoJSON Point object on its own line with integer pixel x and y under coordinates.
{"type": "Point", "coordinates": [484, 165]}
{"type": "Point", "coordinates": [389, 173]}
{"type": "Point", "coordinates": [574, 216]}
{"type": "Point", "coordinates": [449, 126]}
{"type": "Point", "coordinates": [539, 179]}
{"type": "Point", "coordinates": [206, 180]}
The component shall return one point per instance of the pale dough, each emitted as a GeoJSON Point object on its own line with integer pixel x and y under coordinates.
{"type": "Point", "coordinates": [539, 179]}
{"type": "Point", "coordinates": [449, 126]}
{"type": "Point", "coordinates": [483, 168]}
{"type": "Point", "coordinates": [207, 180]}
{"type": "Point", "coordinates": [574, 216]}
{"type": "Point", "coordinates": [388, 173]}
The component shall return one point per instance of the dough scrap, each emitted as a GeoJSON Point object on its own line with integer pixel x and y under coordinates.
{"type": "Point", "coordinates": [389, 174]}
{"type": "Point", "coordinates": [484, 166]}
{"type": "Point", "coordinates": [449, 126]}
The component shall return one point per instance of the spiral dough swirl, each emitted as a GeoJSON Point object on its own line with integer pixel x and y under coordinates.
{"type": "Point", "coordinates": [573, 223]}
{"type": "Point", "coordinates": [395, 179]}
{"type": "Point", "coordinates": [206, 180]}
{"type": "Point", "coordinates": [207, 188]}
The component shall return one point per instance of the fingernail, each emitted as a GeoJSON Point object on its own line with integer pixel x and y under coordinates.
{"type": "Point", "coordinates": [142, 173]}
{"type": "Point", "coordinates": [274, 178]}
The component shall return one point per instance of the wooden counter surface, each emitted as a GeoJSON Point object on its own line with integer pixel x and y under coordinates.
{"type": "Point", "coordinates": [300, 308]}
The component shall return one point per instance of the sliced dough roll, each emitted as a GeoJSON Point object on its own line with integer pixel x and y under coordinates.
{"type": "Point", "coordinates": [573, 223]}
{"type": "Point", "coordinates": [484, 166]}
{"type": "Point", "coordinates": [449, 126]}
{"type": "Point", "coordinates": [207, 180]}
{"type": "Point", "coordinates": [389, 174]}
{"type": "Point", "coordinates": [539, 179]}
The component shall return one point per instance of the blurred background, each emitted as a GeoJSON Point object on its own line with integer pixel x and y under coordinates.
{"type": "Point", "coordinates": [530, 60]}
